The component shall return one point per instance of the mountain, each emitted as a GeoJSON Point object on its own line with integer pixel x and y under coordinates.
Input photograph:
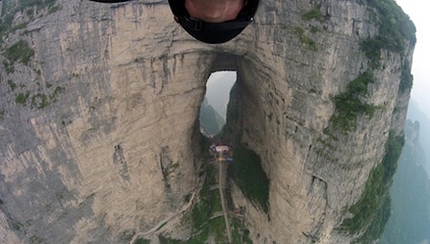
{"type": "Point", "coordinates": [99, 123]}
{"type": "Point", "coordinates": [210, 121]}
{"type": "Point", "coordinates": [218, 90]}
{"type": "Point", "coordinates": [415, 114]}
{"type": "Point", "coordinates": [410, 194]}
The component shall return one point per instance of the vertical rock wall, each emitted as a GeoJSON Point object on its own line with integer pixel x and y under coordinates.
{"type": "Point", "coordinates": [112, 152]}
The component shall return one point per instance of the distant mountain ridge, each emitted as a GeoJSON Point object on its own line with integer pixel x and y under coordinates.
{"type": "Point", "coordinates": [410, 194]}
{"type": "Point", "coordinates": [416, 114]}
{"type": "Point", "coordinates": [211, 121]}
{"type": "Point", "coordinates": [218, 90]}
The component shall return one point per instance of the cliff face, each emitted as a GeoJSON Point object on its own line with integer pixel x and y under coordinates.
{"type": "Point", "coordinates": [97, 119]}
{"type": "Point", "coordinates": [410, 192]}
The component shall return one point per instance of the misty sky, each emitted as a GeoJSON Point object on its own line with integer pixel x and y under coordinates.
{"type": "Point", "coordinates": [419, 13]}
{"type": "Point", "coordinates": [218, 90]}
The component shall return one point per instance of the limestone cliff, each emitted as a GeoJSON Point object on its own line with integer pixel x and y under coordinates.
{"type": "Point", "coordinates": [99, 115]}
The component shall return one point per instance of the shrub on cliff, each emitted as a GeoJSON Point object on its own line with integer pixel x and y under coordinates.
{"type": "Point", "coordinates": [27, 8]}
{"type": "Point", "coordinates": [20, 51]}
{"type": "Point", "coordinates": [21, 98]}
{"type": "Point", "coordinates": [407, 78]}
{"type": "Point", "coordinates": [394, 26]}
{"type": "Point", "coordinates": [349, 104]}
{"type": "Point", "coordinates": [372, 211]}
{"type": "Point", "coordinates": [250, 176]}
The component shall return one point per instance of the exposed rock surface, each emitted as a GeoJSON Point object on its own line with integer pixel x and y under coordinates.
{"type": "Point", "coordinates": [110, 151]}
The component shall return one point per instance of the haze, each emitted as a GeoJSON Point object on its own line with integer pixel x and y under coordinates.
{"type": "Point", "coordinates": [418, 12]}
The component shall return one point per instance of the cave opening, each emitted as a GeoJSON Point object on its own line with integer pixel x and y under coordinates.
{"type": "Point", "coordinates": [228, 120]}
{"type": "Point", "coordinates": [213, 111]}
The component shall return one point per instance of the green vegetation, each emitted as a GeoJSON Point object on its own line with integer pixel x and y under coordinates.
{"type": "Point", "coordinates": [20, 51]}
{"type": "Point", "coordinates": [372, 48]}
{"type": "Point", "coordinates": [314, 13]}
{"type": "Point", "coordinates": [126, 236]}
{"type": "Point", "coordinates": [142, 241]}
{"type": "Point", "coordinates": [239, 234]}
{"type": "Point", "coordinates": [39, 5]}
{"type": "Point", "coordinates": [204, 145]}
{"type": "Point", "coordinates": [248, 173]}
{"type": "Point", "coordinates": [372, 211]}
{"type": "Point", "coordinates": [407, 78]}
{"type": "Point", "coordinates": [28, 8]}
{"type": "Point", "coordinates": [208, 203]}
{"type": "Point", "coordinates": [232, 108]}
{"type": "Point", "coordinates": [39, 101]}
{"type": "Point", "coordinates": [21, 98]}
{"type": "Point", "coordinates": [36, 240]}
{"type": "Point", "coordinates": [187, 197]}
{"type": "Point", "coordinates": [8, 67]}
{"type": "Point", "coordinates": [167, 240]}
{"type": "Point", "coordinates": [161, 226]}
{"type": "Point", "coordinates": [1, 118]}
{"type": "Point", "coordinates": [410, 195]}
{"type": "Point", "coordinates": [57, 91]}
{"type": "Point", "coordinates": [250, 176]}
{"type": "Point", "coordinates": [215, 227]}
{"type": "Point", "coordinates": [210, 121]}
{"type": "Point", "coordinates": [6, 20]}
{"type": "Point", "coordinates": [394, 28]}
{"type": "Point", "coordinates": [230, 132]}
{"type": "Point", "coordinates": [311, 44]}
{"type": "Point", "coordinates": [349, 104]}
{"type": "Point", "coordinates": [11, 84]}
{"type": "Point", "coordinates": [16, 225]}
{"type": "Point", "coordinates": [314, 29]}
{"type": "Point", "coordinates": [54, 9]}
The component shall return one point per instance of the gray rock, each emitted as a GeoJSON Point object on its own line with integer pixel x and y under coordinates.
{"type": "Point", "coordinates": [110, 153]}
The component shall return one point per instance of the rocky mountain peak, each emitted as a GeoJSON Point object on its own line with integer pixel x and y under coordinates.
{"type": "Point", "coordinates": [99, 117]}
